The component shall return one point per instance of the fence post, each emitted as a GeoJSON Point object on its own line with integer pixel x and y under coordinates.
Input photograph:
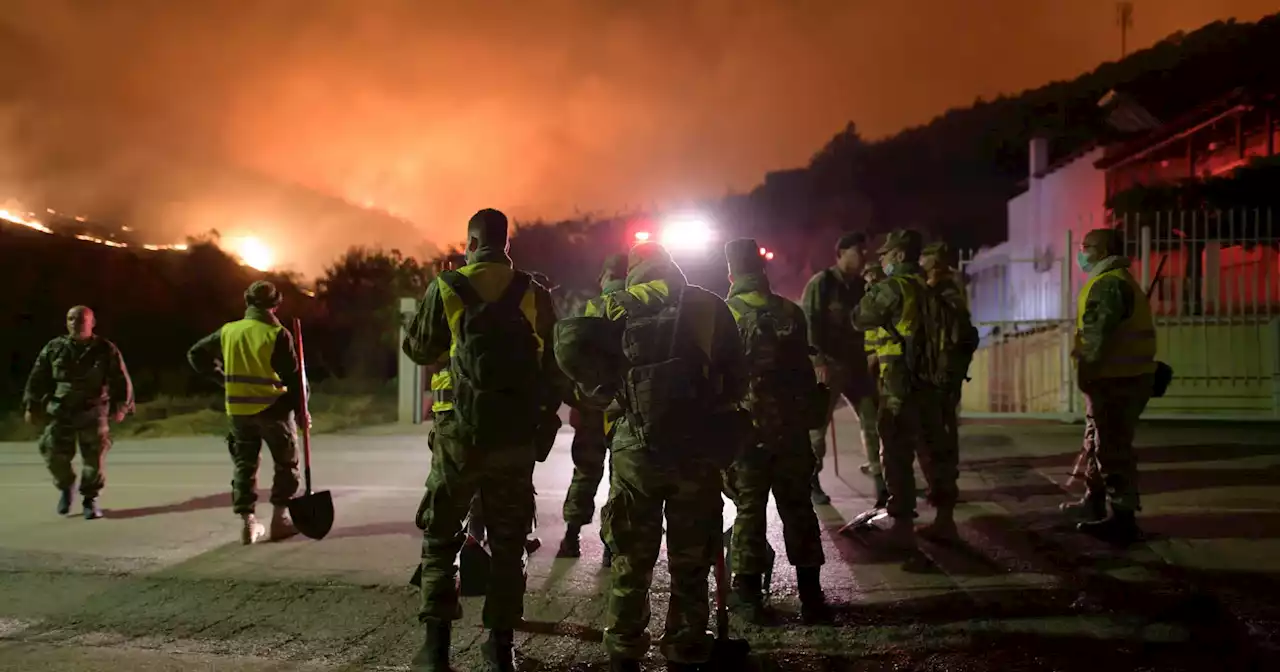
{"type": "Point", "coordinates": [409, 374]}
{"type": "Point", "coordinates": [1144, 255]}
{"type": "Point", "coordinates": [1068, 314]}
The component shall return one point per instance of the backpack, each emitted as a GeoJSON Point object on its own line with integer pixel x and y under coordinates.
{"type": "Point", "coordinates": [495, 365]}
{"type": "Point", "coordinates": [667, 393]}
{"type": "Point", "coordinates": [782, 386]}
{"type": "Point", "coordinates": [943, 341]}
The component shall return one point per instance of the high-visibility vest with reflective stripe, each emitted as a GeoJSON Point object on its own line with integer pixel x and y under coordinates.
{"type": "Point", "coordinates": [252, 384]}
{"type": "Point", "coordinates": [873, 338]}
{"type": "Point", "coordinates": [889, 350]}
{"type": "Point", "coordinates": [441, 391]}
{"type": "Point", "coordinates": [1131, 349]}
{"type": "Point", "coordinates": [490, 280]}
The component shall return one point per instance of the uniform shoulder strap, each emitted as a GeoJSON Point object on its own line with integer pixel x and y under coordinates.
{"type": "Point", "coordinates": [461, 286]}
{"type": "Point", "coordinates": [739, 305]}
{"type": "Point", "coordinates": [631, 306]}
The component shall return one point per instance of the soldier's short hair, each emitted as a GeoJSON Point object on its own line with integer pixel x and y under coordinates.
{"type": "Point", "coordinates": [489, 226]}
{"type": "Point", "coordinates": [851, 239]}
{"type": "Point", "coordinates": [1110, 241]}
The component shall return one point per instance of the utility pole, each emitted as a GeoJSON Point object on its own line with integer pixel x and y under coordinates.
{"type": "Point", "coordinates": [1124, 19]}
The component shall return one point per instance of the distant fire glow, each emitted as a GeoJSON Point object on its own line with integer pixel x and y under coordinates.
{"type": "Point", "coordinates": [687, 233]}
{"type": "Point", "coordinates": [252, 252]}
{"type": "Point", "coordinates": [29, 223]}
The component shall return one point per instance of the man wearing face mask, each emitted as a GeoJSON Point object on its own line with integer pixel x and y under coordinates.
{"type": "Point", "coordinates": [80, 382]}
{"type": "Point", "coordinates": [828, 302]}
{"type": "Point", "coordinates": [907, 425]}
{"type": "Point", "coordinates": [1115, 349]}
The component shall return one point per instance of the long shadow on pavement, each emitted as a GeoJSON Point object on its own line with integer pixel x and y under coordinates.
{"type": "Point", "coordinates": [218, 501]}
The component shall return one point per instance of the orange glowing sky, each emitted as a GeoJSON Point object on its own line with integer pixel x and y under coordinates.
{"type": "Point", "coordinates": [434, 109]}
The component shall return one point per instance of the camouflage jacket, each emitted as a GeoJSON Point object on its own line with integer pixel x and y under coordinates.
{"type": "Point", "coordinates": [655, 283]}
{"type": "Point", "coordinates": [72, 377]}
{"type": "Point", "coordinates": [829, 302]}
{"type": "Point", "coordinates": [881, 308]}
{"type": "Point", "coordinates": [428, 338]}
{"type": "Point", "coordinates": [1110, 302]}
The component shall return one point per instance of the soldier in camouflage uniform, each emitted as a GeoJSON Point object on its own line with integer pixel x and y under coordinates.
{"type": "Point", "coordinates": [780, 400]}
{"type": "Point", "coordinates": [829, 301]}
{"type": "Point", "coordinates": [256, 362]}
{"type": "Point", "coordinates": [462, 463]}
{"type": "Point", "coordinates": [1115, 349]}
{"type": "Point", "coordinates": [871, 343]}
{"type": "Point", "coordinates": [645, 479]}
{"type": "Point", "coordinates": [906, 430]}
{"type": "Point", "coordinates": [590, 435]}
{"type": "Point", "coordinates": [80, 382]}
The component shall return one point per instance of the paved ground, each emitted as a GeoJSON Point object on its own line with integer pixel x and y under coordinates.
{"type": "Point", "coordinates": [162, 584]}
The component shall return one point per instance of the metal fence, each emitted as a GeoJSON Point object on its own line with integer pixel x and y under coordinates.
{"type": "Point", "coordinates": [1214, 283]}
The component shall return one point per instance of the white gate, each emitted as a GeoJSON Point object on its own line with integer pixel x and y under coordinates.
{"type": "Point", "coordinates": [1214, 280]}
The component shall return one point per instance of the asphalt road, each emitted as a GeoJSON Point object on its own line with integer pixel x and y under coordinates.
{"type": "Point", "coordinates": [163, 584]}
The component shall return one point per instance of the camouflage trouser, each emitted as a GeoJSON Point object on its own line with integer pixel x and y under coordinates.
{"type": "Point", "coordinates": [589, 450]}
{"type": "Point", "coordinates": [861, 394]}
{"type": "Point", "coordinates": [276, 428]}
{"type": "Point", "coordinates": [639, 488]}
{"type": "Point", "coordinates": [784, 467]}
{"type": "Point", "coordinates": [503, 478]}
{"type": "Point", "coordinates": [1112, 409]}
{"type": "Point", "coordinates": [58, 448]}
{"type": "Point", "coordinates": [915, 426]}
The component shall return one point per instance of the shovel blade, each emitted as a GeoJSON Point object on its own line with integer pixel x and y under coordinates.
{"type": "Point", "coordinates": [313, 514]}
{"type": "Point", "coordinates": [730, 655]}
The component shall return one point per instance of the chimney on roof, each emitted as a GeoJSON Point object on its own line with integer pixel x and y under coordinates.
{"type": "Point", "coordinates": [1039, 156]}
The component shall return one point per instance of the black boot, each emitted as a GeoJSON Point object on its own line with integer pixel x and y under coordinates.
{"type": "Point", "coordinates": [1120, 528]}
{"type": "Point", "coordinates": [747, 599]}
{"type": "Point", "coordinates": [434, 654]}
{"type": "Point", "coordinates": [91, 509]}
{"type": "Point", "coordinates": [617, 664]}
{"type": "Point", "coordinates": [570, 546]}
{"type": "Point", "coordinates": [813, 603]}
{"type": "Point", "coordinates": [64, 502]}
{"type": "Point", "coordinates": [817, 495]}
{"type": "Point", "coordinates": [1089, 509]}
{"type": "Point", "coordinates": [499, 651]}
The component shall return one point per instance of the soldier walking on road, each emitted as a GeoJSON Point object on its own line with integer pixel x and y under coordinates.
{"type": "Point", "coordinates": [1115, 353]}
{"type": "Point", "coordinates": [829, 301]}
{"type": "Point", "coordinates": [255, 360]}
{"type": "Point", "coordinates": [80, 384]}
{"type": "Point", "coordinates": [670, 352]}
{"type": "Point", "coordinates": [590, 435]}
{"type": "Point", "coordinates": [495, 325]}
{"type": "Point", "coordinates": [785, 402]}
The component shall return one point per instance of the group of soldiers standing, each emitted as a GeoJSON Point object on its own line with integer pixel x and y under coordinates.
{"type": "Point", "coordinates": [686, 396]}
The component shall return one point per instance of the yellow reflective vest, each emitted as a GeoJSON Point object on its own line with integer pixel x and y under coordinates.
{"type": "Point", "coordinates": [1131, 350]}
{"type": "Point", "coordinates": [441, 391]}
{"type": "Point", "coordinates": [889, 349]}
{"type": "Point", "coordinates": [251, 383]}
{"type": "Point", "coordinates": [490, 280]}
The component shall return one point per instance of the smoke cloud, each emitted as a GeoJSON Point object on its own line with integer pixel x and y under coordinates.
{"type": "Point", "coordinates": [291, 116]}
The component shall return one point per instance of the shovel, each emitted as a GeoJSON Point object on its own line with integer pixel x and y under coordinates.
{"type": "Point", "coordinates": [312, 513]}
{"type": "Point", "coordinates": [727, 654]}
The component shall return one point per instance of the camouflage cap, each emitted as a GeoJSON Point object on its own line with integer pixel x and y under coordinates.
{"type": "Point", "coordinates": [744, 256]}
{"type": "Point", "coordinates": [615, 267]}
{"type": "Point", "coordinates": [907, 240]}
{"type": "Point", "coordinates": [262, 294]}
{"type": "Point", "coordinates": [647, 252]}
{"type": "Point", "coordinates": [938, 248]}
